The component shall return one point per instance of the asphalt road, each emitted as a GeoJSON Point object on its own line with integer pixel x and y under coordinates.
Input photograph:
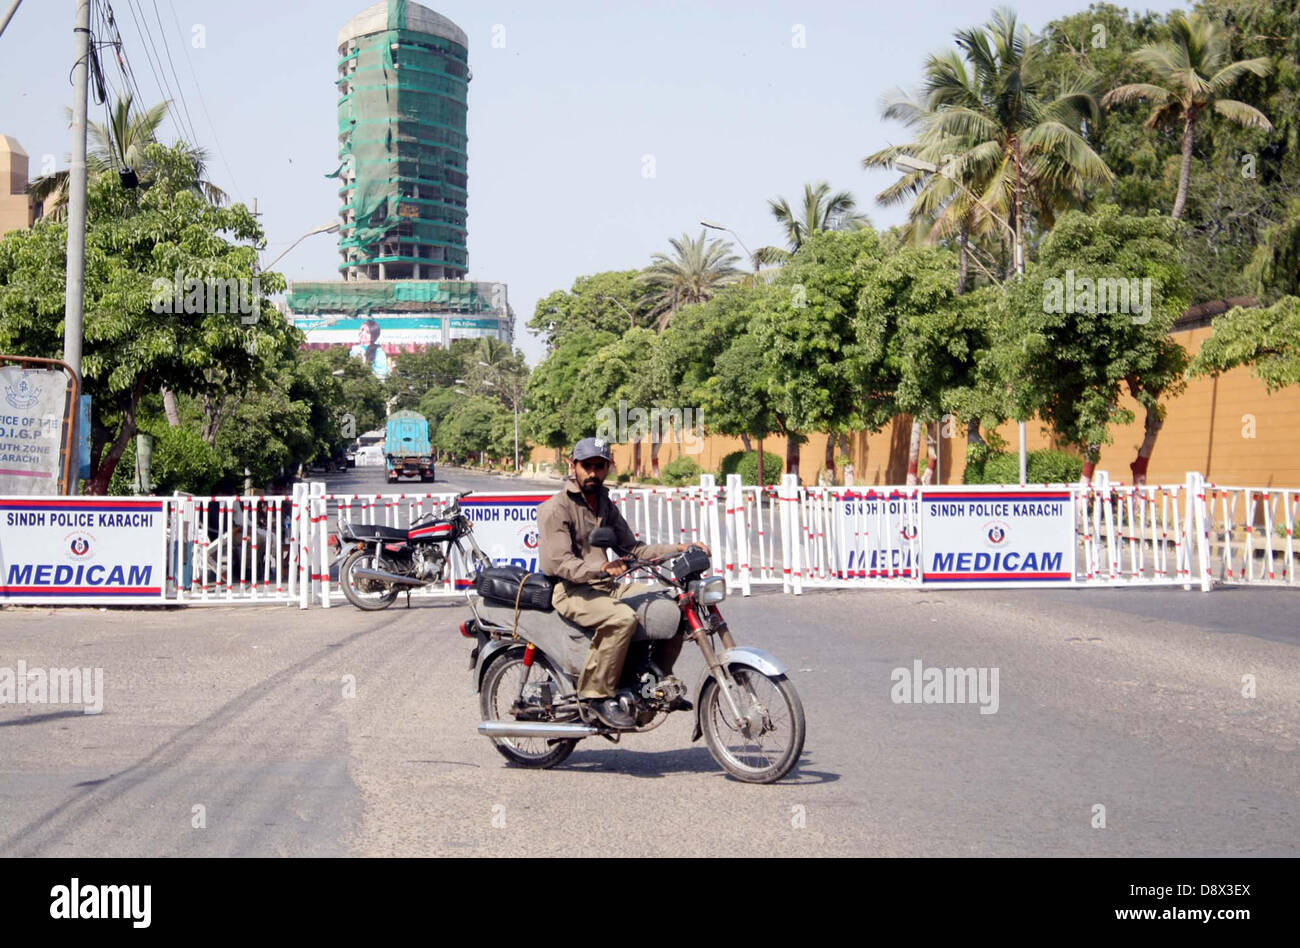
{"type": "Point", "coordinates": [1126, 699]}
{"type": "Point", "coordinates": [447, 479]}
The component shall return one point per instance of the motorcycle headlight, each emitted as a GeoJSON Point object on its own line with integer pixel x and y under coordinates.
{"type": "Point", "coordinates": [711, 591]}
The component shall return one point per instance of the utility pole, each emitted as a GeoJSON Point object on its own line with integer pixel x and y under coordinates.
{"type": "Point", "coordinates": [9, 16]}
{"type": "Point", "coordinates": [75, 293]}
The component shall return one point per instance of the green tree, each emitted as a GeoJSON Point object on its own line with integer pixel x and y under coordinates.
{"type": "Point", "coordinates": [1266, 339]}
{"type": "Point", "coordinates": [595, 303]}
{"type": "Point", "coordinates": [120, 143]}
{"type": "Point", "coordinates": [414, 373]}
{"type": "Point", "coordinates": [692, 273]}
{"type": "Point", "coordinates": [821, 379]}
{"type": "Point", "coordinates": [1067, 355]}
{"type": "Point", "coordinates": [1194, 72]}
{"type": "Point", "coordinates": [1011, 137]}
{"type": "Point", "coordinates": [821, 211]}
{"type": "Point", "coordinates": [552, 388]}
{"type": "Point", "coordinates": [134, 239]}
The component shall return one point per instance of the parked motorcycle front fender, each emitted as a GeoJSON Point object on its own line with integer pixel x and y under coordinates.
{"type": "Point", "coordinates": [755, 658]}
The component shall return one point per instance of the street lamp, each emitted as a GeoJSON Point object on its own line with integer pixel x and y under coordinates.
{"type": "Point", "coordinates": [631, 320]}
{"type": "Point", "coordinates": [713, 225]}
{"type": "Point", "coordinates": [912, 163]}
{"type": "Point", "coordinates": [322, 229]}
{"type": "Point", "coordinates": [514, 405]}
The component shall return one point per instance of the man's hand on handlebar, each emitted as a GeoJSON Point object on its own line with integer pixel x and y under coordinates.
{"type": "Point", "coordinates": [615, 568]}
{"type": "Point", "coordinates": [683, 547]}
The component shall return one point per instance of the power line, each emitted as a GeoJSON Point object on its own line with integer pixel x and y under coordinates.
{"type": "Point", "coordinates": [155, 67]}
{"type": "Point", "coordinates": [203, 102]}
{"type": "Point", "coordinates": [185, 107]}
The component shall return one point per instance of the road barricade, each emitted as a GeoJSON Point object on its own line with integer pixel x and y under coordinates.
{"type": "Point", "coordinates": [215, 550]}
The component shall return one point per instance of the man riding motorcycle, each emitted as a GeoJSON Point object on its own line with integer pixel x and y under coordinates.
{"type": "Point", "coordinates": [586, 589]}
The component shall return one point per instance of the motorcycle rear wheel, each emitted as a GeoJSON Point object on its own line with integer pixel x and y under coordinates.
{"type": "Point", "coordinates": [765, 755]}
{"type": "Point", "coordinates": [367, 594]}
{"type": "Point", "coordinates": [498, 695]}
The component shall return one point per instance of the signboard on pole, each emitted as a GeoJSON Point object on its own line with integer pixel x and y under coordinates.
{"type": "Point", "coordinates": [33, 404]}
{"type": "Point", "coordinates": [82, 550]}
{"type": "Point", "coordinates": [1016, 535]}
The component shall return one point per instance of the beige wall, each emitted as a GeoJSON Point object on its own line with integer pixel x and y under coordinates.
{"type": "Point", "coordinates": [1207, 429]}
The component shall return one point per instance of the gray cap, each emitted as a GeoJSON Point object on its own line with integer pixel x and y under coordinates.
{"type": "Point", "coordinates": [592, 448]}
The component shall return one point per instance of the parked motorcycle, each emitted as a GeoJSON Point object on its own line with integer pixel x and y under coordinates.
{"type": "Point", "coordinates": [380, 562]}
{"type": "Point", "coordinates": [526, 666]}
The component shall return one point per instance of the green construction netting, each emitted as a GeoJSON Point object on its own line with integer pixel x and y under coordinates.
{"type": "Point", "coordinates": [379, 296]}
{"type": "Point", "coordinates": [402, 131]}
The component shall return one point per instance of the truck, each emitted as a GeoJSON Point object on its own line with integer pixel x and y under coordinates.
{"type": "Point", "coordinates": [407, 452]}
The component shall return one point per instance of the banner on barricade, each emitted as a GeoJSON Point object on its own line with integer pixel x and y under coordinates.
{"type": "Point", "coordinates": [505, 526]}
{"type": "Point", "coordinates": [1015, 535]}
{"type": "Point", "coordinates": [878, 528]}
{"type": "Point", "coordinates": [82, 550]}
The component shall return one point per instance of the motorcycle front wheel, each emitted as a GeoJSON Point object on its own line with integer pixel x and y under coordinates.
{"type": "Point", "coordinates": [765, 743]}
{"type": "Point", "coordinates": [368, 594]}
{"type": "Point", "coordinates": [506, 678]}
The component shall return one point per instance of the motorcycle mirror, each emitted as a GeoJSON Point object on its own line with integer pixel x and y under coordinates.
{"type": "Point", "coordinates": [604, 537]}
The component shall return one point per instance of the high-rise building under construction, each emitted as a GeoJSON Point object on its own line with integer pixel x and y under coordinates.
{"type": "Point", "coordinates": [403, 97]}
{"type": "Point", "coordinates": [403, 86]}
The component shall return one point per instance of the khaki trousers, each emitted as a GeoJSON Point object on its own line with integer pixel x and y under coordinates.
{"type": "Point", "coordinates": [597, 607]}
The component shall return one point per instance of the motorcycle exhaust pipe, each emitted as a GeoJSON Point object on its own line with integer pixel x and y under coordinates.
{"type": "Point", "coordinates": [396, 580]}
{"type": "Point", "coordinates": [534, 729]}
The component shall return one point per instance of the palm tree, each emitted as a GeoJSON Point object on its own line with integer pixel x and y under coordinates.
{"type": "Point", "coordinates": [693, 273]}
{"type": "Point", "coordinates": [941, 203]}
{"type": "Point", "coordinates": [1193, 71]}
{"type": "Point", "coordinates": [985, 107]}
{"type": "Point", "coordinates": [121, 144]}
{"type": "Point", "coordinates": [821, 211]}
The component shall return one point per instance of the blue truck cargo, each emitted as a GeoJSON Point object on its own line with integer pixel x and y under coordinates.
{"type": "Point", "coordinates": [407, 452]}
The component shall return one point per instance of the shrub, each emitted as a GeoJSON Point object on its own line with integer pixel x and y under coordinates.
{"type": "Point", "coordinates": [682, 470]}
{"type": "Point", "coordinates": [182, 461]}
{"type": "Point", "coordinates": [1041, 467]}
{"type": "Point", "coordinates": [773, 467]}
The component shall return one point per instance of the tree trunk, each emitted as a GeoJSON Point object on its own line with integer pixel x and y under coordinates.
{"type": "Point", "coordinates": [104, 472]}
{"type": "Point", "coordinates": [792, 453]}
{"type": "Point", "coordinates": [973, 435]}
{"type": "Point", "coordinates": [760, 463]}
{"type": "Point", "coordinates": [913, 452]}
{"type": "Point", "coordinates": [169, 408]}
{"type": "Point", "coordinates": [636, 458]}
{"type": "Point", "coordinates": [746, 443]}
{"type": "Point", "coordinates": [963, 261]}
{"type": "Point", "coordinates": [1151, 430]}
{"type": "Point", "coordinates": [1185, 169]}
{"type": "Point", "coordinates": [1090, 453]}
{"type": "Point", "coordinates": [830, 457]}
{"type": "Point", "coordinates": [654, 454]}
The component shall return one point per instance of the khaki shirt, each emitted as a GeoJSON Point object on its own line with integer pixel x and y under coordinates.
{"type": "Point", "coordinates": [564, 523]}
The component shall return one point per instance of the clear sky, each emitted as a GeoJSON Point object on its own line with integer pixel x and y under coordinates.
{"type": "Point", "coordinates": [571, 102]}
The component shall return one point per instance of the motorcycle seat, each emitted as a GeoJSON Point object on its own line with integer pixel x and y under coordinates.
{"type": "Point", "coordinates": [368, 531]}
{"type": "Point", "coordinates": [567, 642]}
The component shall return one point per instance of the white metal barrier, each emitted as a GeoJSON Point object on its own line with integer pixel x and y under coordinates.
{"type": "Point", "coordinates": [1187, 534]}
{"type": "Point", "coordinates": [277, 549]}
